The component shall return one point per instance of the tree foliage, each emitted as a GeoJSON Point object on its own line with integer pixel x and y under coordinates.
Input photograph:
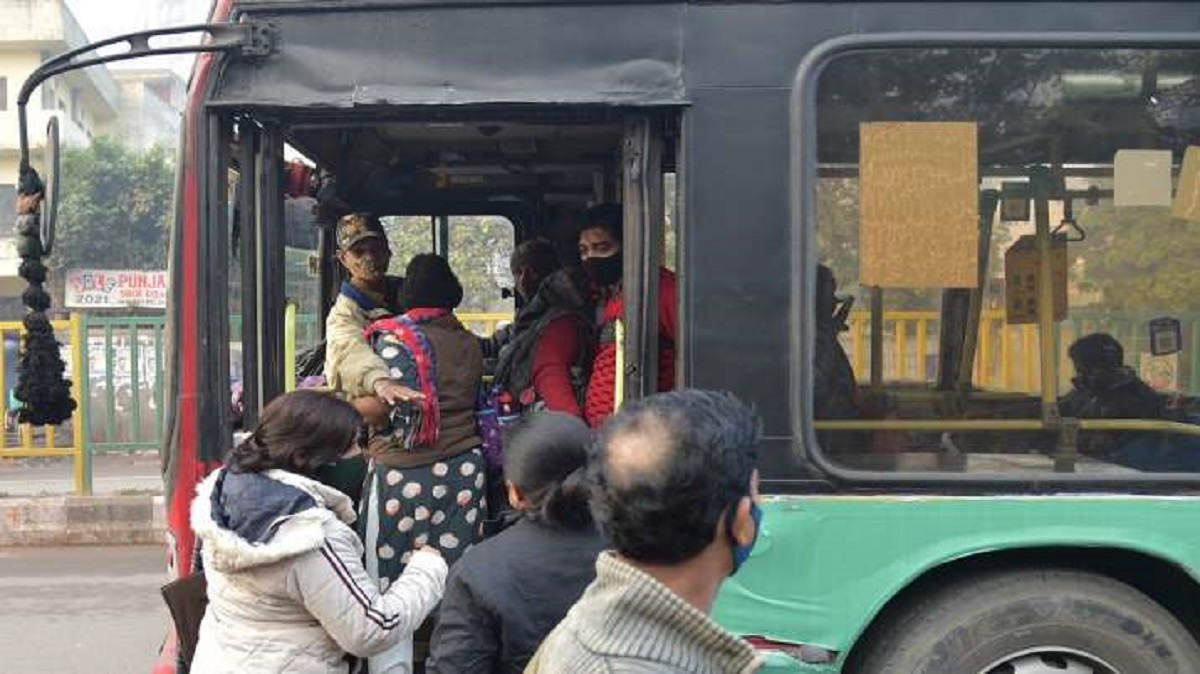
{"type": "Point", "coordinates": [116, 208]}
{"type": "Point", "coordinates": [1029, 103]}
{"type": "Point", "coordinates": [1138, 259]}
{"type": "Point", "coordinates": [1032, 107]}
{"type": "Point", "coordinates": [479, 246]}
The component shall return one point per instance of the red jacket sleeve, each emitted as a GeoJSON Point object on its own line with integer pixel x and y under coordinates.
{"type": "Point", "coordinates": [556, 352]}
{"type": "Point", "coordinates": [668, 305]}
{"type": "Point", "coordinates": [668, 329]}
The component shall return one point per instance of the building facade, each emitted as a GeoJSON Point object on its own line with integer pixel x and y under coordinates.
{"type": "Point", "coordinates": [86, 103]}
{"type": "Point", "coordinates": [151, 105]}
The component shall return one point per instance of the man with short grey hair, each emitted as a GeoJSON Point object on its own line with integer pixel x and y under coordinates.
{"type": "Point", "coordinates": [675, 491]}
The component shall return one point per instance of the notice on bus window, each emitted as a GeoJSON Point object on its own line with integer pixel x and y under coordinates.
{"type": "Point", "coordinates": [1160, 372]}
{"type": "Point", "coordinates": [919, 204]}
{"type": "Point", "coordinates": [1166, 336]}
{"type": "Point", "coordinates": [1187, 194]}
{"type": "Point", "coordinates": [116, 289]}
{"type": "Point", "coordinates": [1022, 275]}
{"type": "Point", "coordinates": [1142, 178]}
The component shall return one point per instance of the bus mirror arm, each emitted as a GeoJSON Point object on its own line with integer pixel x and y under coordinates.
{"type": "Point", "coordinates": [42, 388]}
{"type": "Point", "coordinates": [247, 39]}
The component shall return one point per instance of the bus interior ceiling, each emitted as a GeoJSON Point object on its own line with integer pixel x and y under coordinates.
{"type": "Point", "coordinates": [527, 166]}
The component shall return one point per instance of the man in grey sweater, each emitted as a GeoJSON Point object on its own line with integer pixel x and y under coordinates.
{"type": "Point", "coordinates": [675, 491]}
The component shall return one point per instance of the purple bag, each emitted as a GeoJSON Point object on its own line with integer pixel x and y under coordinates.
{"type": "Point", "coordinates": [493, 414]}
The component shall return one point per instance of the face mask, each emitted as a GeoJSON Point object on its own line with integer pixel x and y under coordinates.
{"type": "Point", "coordinates": [742, 552]}
{"type": "Point", "coordinates": [604, 271]}
{"type": "Point", "coordinates": [368, 267]}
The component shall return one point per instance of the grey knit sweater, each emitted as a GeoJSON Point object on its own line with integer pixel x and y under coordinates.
{"type": "Point", "coordinates": [626, 621]}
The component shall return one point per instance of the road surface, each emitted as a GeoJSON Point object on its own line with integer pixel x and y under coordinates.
{"type": "Point", "coordinates": [81, 610]}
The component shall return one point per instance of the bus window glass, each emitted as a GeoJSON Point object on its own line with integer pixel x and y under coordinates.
{"type": "Point", "coordinates": [670, 228]}
{"type": "Point", "coordinates": [408, 235]}
{"type": "Point", "coordinates": [233, 272]}
{"type": "Point", "coordinates": [301, 262]}
{"type": "Point", "coordinates": [480, 249]}
{"type": "Point", "coordinates": [917, 378]}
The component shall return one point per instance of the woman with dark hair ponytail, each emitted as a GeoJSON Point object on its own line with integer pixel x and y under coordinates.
{"type": "Point", "coordinates": [507, 593]}
{"type": "Point", "coordinates": [287, 589]}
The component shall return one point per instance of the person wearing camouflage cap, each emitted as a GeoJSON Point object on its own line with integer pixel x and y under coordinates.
{"type": "Point", "coordinates": [351, 365]}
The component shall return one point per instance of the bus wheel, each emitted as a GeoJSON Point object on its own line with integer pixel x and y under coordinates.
{"type": "Point", "coordinates": [1046, 621]}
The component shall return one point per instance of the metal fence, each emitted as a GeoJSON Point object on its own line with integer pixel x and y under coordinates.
{"type": "Point", "coordinates": [1007, 357]}
{"type": "Point", "coordinates": [122, 387]}
{"type": "Point", "coordinates": [25, 440]}
{"type": "Point", "coordinates": [117, 367]}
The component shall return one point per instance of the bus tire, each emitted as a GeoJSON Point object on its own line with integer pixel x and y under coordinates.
{"type": "Point", "coordinates": [1032, 620]}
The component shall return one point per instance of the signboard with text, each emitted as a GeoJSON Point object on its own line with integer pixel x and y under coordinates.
{"type": "Point", "coordinates": [116, 289]}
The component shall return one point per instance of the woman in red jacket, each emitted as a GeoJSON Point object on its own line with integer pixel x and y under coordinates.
{"type": "Point", "coordinates": [600, 250]}
{"type": "Point", "coordinates": [544, 363]}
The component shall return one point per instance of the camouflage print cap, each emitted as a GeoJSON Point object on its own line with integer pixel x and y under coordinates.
{"type": "Point", "coordinates": [358, 227]}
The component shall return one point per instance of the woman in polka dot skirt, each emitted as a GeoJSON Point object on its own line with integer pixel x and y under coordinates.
{"type": "Point", "coordinates": [429, 491]}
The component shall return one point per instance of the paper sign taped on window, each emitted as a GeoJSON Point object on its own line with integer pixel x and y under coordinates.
{"type": "Point", "coordinates": [1187, 193]}
{"type": "Point", "coordinates": [1160, 372]}
{"type": "Point", "coordinates": [1022, 269]}
{"type": "Point", "coordinates": [1166, 336]}
{"type": "Point", "coordinates": [1142, 178]}
{"type": "Point", "coordinates": [919, 204]}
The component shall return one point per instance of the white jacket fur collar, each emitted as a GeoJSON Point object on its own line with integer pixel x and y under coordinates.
{"type": "Point", "coordinates": [295, 534]}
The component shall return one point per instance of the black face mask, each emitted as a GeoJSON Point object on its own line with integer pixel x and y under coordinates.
{"type": "Point", "coordinates": [605, 271]}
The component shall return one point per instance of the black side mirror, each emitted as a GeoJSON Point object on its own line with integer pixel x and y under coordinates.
{"type": "Point", "coordinates": [50, 167]}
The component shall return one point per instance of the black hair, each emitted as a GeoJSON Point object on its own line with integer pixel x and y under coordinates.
{"type": "Point", "coordinates": [429, 283]}
{"type": "Point", "coordinates": [609, 217]}
{"type": "Point", "coordinates": [698, 450]}
{"type": "Point", "coordinates": [298, 432]}
{"type": "Point", "coordinates": [545, 455]}
{"type": "Point", "coordinates": [1098, 350]}
{"type": "Point", "coordinates": [538, 255]}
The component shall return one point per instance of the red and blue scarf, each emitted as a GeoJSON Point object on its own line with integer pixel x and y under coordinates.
{"type": "Point", "coordinates": [405, 331]}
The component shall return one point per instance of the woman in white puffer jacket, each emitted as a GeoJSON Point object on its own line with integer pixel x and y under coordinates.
{"type": "Point", "coordinates": [287, 589]}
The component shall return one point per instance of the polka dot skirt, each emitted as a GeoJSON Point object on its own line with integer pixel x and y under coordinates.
{"type": "Point", "coordinates": [441, 505]}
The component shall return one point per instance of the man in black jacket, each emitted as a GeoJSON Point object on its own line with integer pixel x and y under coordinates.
{"type": "Point", "coordinates": [1105, 388]}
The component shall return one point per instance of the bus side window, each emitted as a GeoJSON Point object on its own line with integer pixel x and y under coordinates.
{"type": "Point", "coordinates": [971, 375]}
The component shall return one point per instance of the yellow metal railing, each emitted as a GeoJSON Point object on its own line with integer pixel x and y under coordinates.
{"type": "Point", "coordinates": [908, 354]}
{"type": "Point", "coordinates": [483, 323]}
{"type": "Point", "coordinates": [27, 443]}
{"type": "Point", "coordinates": [1006, 358]}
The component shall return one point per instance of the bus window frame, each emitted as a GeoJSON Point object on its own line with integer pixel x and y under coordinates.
{"type": "Point", "coordinates": [802, 181]}
{"type": "Point", "coordinates": [248, 138]}
{"type": "Point", "coordinates": [214, 182]}
{"type": "Point", "coordinates": [262, 265]}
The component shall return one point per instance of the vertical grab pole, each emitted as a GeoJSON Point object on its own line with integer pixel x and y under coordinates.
{"type": "Point", "coordinates": [877, 340]}
{"type": "Point", "coordinates": [9, 387]}
{"type": "Point", "coordinates": [79, 389]}
{"type": "Point", "coordinates": [289, 347]}
{"type": "Point", "coordinates": [1046, 328]}
{"type": "Point", "coordinates": [619, 367]}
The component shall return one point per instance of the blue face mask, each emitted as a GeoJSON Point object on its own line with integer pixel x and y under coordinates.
{"type": "Point", "coordinates": [742, 552]}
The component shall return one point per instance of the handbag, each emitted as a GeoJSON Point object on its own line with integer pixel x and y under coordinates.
{"type": "Point", "coordinates": [187, 599]}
